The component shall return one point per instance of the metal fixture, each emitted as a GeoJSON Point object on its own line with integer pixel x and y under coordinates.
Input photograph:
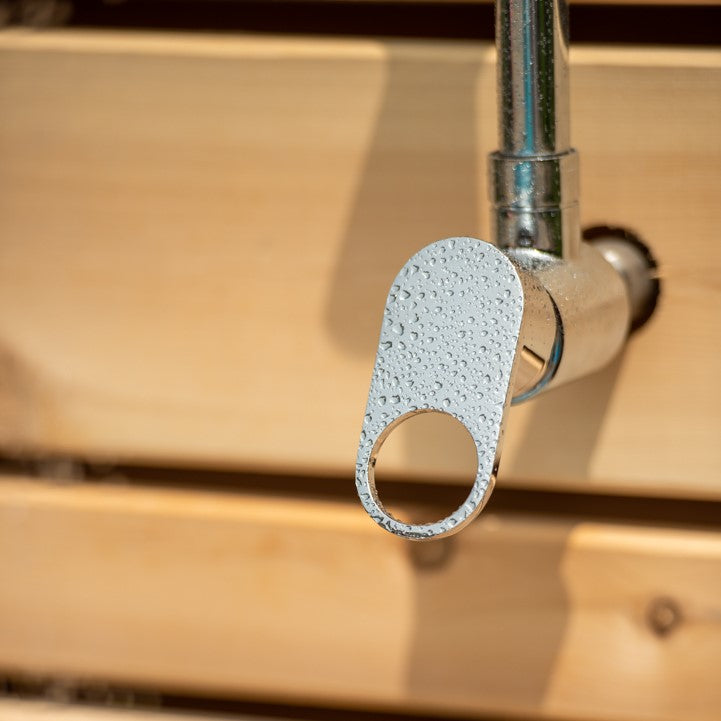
{"type": "Point", "coordinates": [470, 327]}
{"type": "Point", "coordinates": [534, 176]}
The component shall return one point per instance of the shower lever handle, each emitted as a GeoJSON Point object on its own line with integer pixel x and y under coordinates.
{"type": "Point", "coordinates": [464, 329]}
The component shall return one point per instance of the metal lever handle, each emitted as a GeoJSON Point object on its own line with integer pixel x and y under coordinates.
{"type": "Point", "coordinates": [451, 330]}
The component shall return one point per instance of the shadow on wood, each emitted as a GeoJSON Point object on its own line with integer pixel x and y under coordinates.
{"type": "Point", "coordinates": [419, 184]}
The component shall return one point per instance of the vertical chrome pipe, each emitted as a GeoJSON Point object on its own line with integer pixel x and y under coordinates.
{"type": "Point", "coordinates": [534, 176]}
{"type": "Point", "coordinates": [532, 41]}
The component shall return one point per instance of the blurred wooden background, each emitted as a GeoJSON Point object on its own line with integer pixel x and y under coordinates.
{"type": "Point", "coordinates": [197, 233]}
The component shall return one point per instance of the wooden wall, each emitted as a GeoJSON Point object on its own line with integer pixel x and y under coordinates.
{"type": "Point", "coordinates": [197, 236]}
{"type": "Point", "coordinates": [192, 271]}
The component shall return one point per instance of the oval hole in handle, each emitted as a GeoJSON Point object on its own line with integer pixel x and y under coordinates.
{"type": "Point", "coordinates": [424, 467]}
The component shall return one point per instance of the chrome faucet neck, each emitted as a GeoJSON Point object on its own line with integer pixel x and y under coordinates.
{"type": "Point", "coordinates": [534, 175]}
{"type": "Point", "coordinates": [532, 44]}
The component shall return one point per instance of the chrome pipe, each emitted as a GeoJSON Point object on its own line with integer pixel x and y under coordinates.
{"type": "Point", "coordinates": [534, 175]}
{"type": "Point", "coordinates": [532, 45]}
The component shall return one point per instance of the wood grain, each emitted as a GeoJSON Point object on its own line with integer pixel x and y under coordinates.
{"type": "Point", "coordinates": [307, 601]}
{"type": "Point", "coordinates": [25, 710]}
{"type": "Point", "coordinates": [198, 234]}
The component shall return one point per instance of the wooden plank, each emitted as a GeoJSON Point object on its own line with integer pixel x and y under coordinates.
{"type": "Point", "coordinates": [25, 710]}
{"type": "Point", "coordinates": [307, 601]}
{"type": "Point", "coordinates": [198, 234]}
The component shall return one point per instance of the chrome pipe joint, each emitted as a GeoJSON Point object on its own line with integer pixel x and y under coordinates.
{"type": "Point", "coordinates": [470, 327]}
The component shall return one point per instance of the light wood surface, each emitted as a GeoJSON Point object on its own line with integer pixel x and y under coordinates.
{"type": "Point", "coordinates": [25, 710]}
{"type": "Point", "coordinates": [198, 235]}
{"type": "Point", "coordinates": [306, 600]}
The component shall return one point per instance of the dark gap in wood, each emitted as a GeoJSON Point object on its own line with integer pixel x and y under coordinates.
{"type": "Point", "coordinates": [115, 696]}
{"type": "Point", "coordinates": [581, 506]}
{"type": "Point", "coordinates": [638, 24]}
